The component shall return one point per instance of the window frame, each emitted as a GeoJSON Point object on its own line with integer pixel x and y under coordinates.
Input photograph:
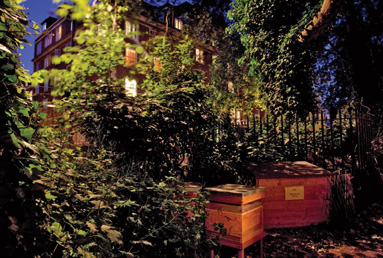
{"type": "Point", "coordinates": [130, 87]}
{"type": "Point", "coordinates": [178, 24]}
{"type": "Point", "coordinates": [58, 33]}
{"type": "Point", "coordinates": [199, 56]}
{"type": "Point", "coordinates": [46, 86]}
{"type": "Point", "coordinates": [39, 47]}
{"type": "Point", "coordinates": [47, 61]}
{"type": "Point", "coordinates": [129, 60]}
{"type": "Point", "coordinates": [48, 40]}
{"type": "Point", "coordinates": [130, 28]}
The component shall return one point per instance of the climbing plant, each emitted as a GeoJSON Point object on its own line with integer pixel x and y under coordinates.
{"type": "Point", "coordinates": [18, 124]}
{"type": "Point", "coordinates": [269, 31]}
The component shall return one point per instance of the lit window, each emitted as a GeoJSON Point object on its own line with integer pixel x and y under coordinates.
{"type": "Point", "coordinates": [157, 63]}
{"type": "Point", "coordinates": [46, 86]}
{"type": "Point", "coordinates": [130, 28]}
{"type": "Point", "coordinates": [130, 56]}
{"type": "Point", "coordinates": [199, 55]}
{"type": "Point", "coordinates": [58, 33]}
{"type": "Point", "coordinates": [131, 87]}
{"type": "Point", "coordinates": [57, 52]}
{"type": "Point", "coordinates": [48, 40]}
{"type": "Point", "coordinates": [71, 26]}
{"type": "Point", "coordinates": [47, 61]}
{"type": "Point", "coordinates": [44, 26]}
{"type": "Point", "coordinates": [38, 48]}
{"type": "Point", "coordinates": [178, 24]}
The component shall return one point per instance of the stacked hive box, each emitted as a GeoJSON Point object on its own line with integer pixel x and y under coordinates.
{"type": "Point", "coordinates": [239, 208]}
{"type": "Point", "coordinates": [296, 193]}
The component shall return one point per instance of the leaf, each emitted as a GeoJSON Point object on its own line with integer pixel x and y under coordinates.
{"type": "Point", "coordinates": [27, 133]}
{"type": "Point", "coordinates": [92, 227]}
{"type": "Point", "coordinates": [144, 242]}
{"type": "Point", "coordinates": [38, 167]}
{"type": "Point", "coordinates": [50, 196]}
{"type": "Point", "coordinates": [105, 228]}
{"type": "Point", "coordinates": [12, 78]}
{"type": "Point", "coordinates": [115, 236]}
{"type": "Point", "coordinates": [35, 26]}
{"type": "Point", "coordinates": [7, 67]}
{"type": "Point", "coordinates": [100, 204]}
{"type": "Point", "coordinates": [24, 111]}
{"type": "Point", "coordinates": [139, 50]}
{"type": "Point", "coordinates": [95, 196]}
{"type": "Point", "coordinates": [56, 60]}
{"type": "Point", "coordinates": [15, 141]}
{"type": "Point", "coordinates": [82, 233]}
{"type": "Point", "coordinates": [85, 254]}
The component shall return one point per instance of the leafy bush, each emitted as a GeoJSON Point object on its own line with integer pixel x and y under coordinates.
{"type": "Point", "coordinates": [95, 207]}
{"type": "Point", "coordinates": [19, 214]}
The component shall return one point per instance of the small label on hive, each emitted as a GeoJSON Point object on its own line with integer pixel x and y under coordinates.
{"type": "Point", "coordinates": [294, 193]}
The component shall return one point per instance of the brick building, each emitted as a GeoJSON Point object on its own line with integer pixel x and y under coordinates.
{"type": "Point", "coordinates": [153, 20]}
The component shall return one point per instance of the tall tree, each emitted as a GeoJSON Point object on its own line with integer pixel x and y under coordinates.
{"type": "Point", "coordinates": [232, 86]}
{"type": "Point", "coordinates": [269, 31]}
{"type": "Point", "coordinates": [351, 60]}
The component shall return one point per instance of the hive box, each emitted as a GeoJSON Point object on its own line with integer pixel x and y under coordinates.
{"type": "Point", "coordinates": [240, 210]}
{"type": "Point", "coordinates": [296, 193]}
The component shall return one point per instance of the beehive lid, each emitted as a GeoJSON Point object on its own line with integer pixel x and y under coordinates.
{"type": "Point", "coordinates": [288, 169]}
{"type": "Point", "coordinates": [191, 186]}
{"type": "Point", "coordinates": [235, 190]}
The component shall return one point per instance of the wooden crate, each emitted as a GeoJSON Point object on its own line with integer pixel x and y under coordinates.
{"type": "Point", "coordinates": [240, 210]}
{"type": "Point", "coordinates": [296, 193]}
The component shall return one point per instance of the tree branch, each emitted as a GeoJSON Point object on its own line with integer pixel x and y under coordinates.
{"type": "Point", "coordinates": [320, 22]}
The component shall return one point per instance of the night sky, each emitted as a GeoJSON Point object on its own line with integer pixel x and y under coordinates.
{"type": "Point", "coordinates": [37, 11]}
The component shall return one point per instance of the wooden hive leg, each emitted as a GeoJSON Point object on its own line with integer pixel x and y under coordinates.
{"type": "Point", "coordinates": [241, 253]}
{"type": "Point", "coordinates": [261, 247]}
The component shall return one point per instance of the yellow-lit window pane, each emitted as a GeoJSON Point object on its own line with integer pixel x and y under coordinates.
{"type": "Point", "coordinates": [130, 57]}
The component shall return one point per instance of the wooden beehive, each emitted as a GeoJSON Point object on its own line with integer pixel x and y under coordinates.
{"type": "Point", "coordinates": [296, 193]}
{"type": "Point", "coordinates": [191, 188]}
{"type": "Point", "coordinates": [240, 210]}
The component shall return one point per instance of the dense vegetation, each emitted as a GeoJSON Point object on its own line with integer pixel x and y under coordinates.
{"type": "Point", "coordinates": [120, 194]}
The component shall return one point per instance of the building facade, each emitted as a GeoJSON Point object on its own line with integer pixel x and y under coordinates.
{"type": "Point", "coordinates": [60, 33]}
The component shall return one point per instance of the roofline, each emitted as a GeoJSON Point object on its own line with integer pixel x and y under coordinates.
{"type": "Point", "coordinates": [51, 28]}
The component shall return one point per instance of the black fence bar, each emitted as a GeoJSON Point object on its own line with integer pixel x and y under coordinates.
{"type": "Point", "coordinates": [289, 133]}
{"type": "Point", "coordinates": [334, 167]}
{"type": "Point", "coordinates": [314, 147]}
{"type": "Point", "coordinates": [323, 141]}
{"type": "Point", "coordinates": [297, 128]}
{"type": "Point", "coordinates": [339, 141]}
{"type": "Point", "coordinates": [306, 146]}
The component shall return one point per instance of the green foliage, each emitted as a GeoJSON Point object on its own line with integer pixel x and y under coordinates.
{"type": "Point", "coordinates": [232, 87]}
{"type": "Point", "coordinates": [18, 212]}
{"type": "Point", "coordinates": [95, 207]}
{"type": "Point", "coordinates": [269, 32]}
{"type": "Point", "coordinates": [117, 195]}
